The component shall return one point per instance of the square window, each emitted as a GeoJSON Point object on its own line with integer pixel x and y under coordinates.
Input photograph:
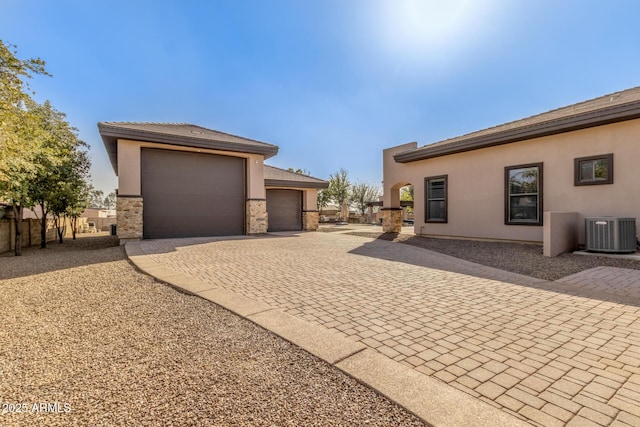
{"type": "Point", "coordinates": [595, 170]}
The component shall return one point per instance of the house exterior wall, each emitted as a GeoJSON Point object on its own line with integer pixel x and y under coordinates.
{"type": "Point", "coordinates": [129, 210]}
{"type": "Point", "coordinates": [476, 193]}
{"type": "Point", "coordinates": [129, 166]}
{"type": "Point", "coordinates": [395, 175]}
{"type": "Point", "coordinates": [98, 213]}
{"type": "Point", "coordinates": [310, 214]}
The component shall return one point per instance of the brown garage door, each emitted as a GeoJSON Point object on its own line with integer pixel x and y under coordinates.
{"type": "Point", "coordinates": [192, 194]}
{"type": "Point", "coordinates": [285, 210]}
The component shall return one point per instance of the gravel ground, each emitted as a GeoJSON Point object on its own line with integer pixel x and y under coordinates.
{"type": "Point", "coordinates": [515, 257]}
{"type": "Point", "coordinates": [80, 326]}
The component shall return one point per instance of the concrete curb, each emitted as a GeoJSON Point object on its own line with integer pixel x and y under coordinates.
{"type": "Point", "coordinates": [431, 400]}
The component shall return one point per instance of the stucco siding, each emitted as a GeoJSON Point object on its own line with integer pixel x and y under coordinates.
{"type": "Point", "coordinates": [476, 182]}
{"type": "Point", "coordinates": [129, 166]}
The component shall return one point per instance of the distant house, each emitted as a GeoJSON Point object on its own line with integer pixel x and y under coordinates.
{"type": "Point", "coordinates": [183, 180]}
{"type": "Point", "coordinates": [101, 217]}
{"type": "Point", "coordinates": [534, 179]}
{"type": "Point", "coordinates": [329, 213]}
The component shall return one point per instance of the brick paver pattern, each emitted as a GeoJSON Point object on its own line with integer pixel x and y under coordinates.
{"type": "Point", "coordinates": [550, 357]}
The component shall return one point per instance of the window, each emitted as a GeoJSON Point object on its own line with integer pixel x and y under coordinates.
{"type": "Point", "coordinates": [436, 199]}
{"type": "Point", "coordinates": [593, 170]}
{"type": "Point", "coordinates": [523, 194]}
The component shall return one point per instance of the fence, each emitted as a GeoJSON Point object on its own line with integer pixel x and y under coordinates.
{"type": "Point", "coordinates": [31, 232]}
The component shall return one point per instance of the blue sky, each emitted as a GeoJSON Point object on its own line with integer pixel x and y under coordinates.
{"type": "Point", "coordinates": [331, 82]}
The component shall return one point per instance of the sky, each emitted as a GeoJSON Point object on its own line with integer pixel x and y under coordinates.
{"type": "Point", "coordinates": [331, 82]}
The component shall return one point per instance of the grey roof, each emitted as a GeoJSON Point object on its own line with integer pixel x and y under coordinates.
{"type": "Point", "coordinates": [612, 108]}
{"type": "Point", "coordinates": [276, 177]}
{"type": "Point", "coordinates": [183, 134]}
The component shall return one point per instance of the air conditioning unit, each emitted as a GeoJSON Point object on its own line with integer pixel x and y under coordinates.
{"type": "Point", "coordinates": [611, 234]}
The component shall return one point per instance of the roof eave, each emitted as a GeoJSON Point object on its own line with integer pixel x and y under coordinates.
{"type": "Point", "coordinates": [295, 184]}
{"type": "Point", "coordinates": [111, 145]}
{"type": "Point", "coordinates": [586, 120]}
{"type": "Point", "coordinates": [111, 134]}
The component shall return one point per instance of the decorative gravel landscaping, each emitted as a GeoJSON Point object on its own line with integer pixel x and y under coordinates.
{"type": "Point", "coordinates": [519, 258]}
{"type": "Point", "coordinates": [99, 343]}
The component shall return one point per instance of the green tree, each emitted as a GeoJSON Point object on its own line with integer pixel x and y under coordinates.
{"type": "Point", "coordinates": [18, 175]}
{"type": "Point", "coordinates": [110, 200]}
{"type": "Point", "coordinates": [362, 193]}
{"type": "Point", "coordinates": [20, 137]}
{"type": "Point", "coordinates": [324, 197]}
{"type": "Point", "coordinates": [339, 186]}
{"type": "Point", "coordinates": [300, 171]}
{"type": "Point", "coordinates": [78, 202]}
{"type": "Point", "coordinates": [406, 194]}
{"type": "Point", "coordinates": [63, 161]}
{"type": "Point", "coordinates": [96, 198]}
{"type": "Point", "coordinates": [69, 193]}
{"type": "Point", "coordinates": [15, 150]}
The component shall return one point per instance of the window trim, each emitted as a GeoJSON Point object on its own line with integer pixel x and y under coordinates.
{"type": "Point", "coordinates": [576, 170]}
{"type": "Point", "coordinates": [446, 199]}
{"type": "Point", "coordinates": [540, 194]}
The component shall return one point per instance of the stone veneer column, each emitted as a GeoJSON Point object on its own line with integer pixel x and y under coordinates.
{"type": "Point", "coordinates": [391, 220]}
{"type": "Point", "coordinates": [129, 217]}
{"type": "Point", "coordinates": [310, 220]}
{"type": "Point", "coordinates": [257, 219]}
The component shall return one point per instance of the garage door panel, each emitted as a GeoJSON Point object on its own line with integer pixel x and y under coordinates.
{"type": "Point", "coordinates": [285, 210]}
{"type": "Point", "coordinates": [192, 194]}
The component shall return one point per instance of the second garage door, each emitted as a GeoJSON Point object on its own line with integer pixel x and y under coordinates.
{"type": "Point", "coordinates": [285, 210]}
{"type": "Point", "coordinates": [192, 194]}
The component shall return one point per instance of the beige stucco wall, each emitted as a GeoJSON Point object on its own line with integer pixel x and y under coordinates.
{"type": "Point", "coordinates": [394, 175]}
{"type": "Point", "coordinates": [129, 167]}
{"type": "Point", "coordinates": [310, 199]}
{"type": "Point", "coordinates": [476, 182]}
{"type": "Point", "coordinates": [560, 233]}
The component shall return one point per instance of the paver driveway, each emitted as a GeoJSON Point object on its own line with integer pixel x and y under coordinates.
{"type": "Point", "coordinates": [551, 353]}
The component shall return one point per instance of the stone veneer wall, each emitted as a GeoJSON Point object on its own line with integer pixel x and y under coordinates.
{"type": "Point", "coordinates": [257, 219]}
{"type": "Point", "coordinates": [310, 220]}
{"type": "Point", "coordinates": [392, 220]}
{"type": "Point", "coordinates": [129, 217]}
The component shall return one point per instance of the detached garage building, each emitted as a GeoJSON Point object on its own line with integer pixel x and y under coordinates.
{"type": "Point", "coordinates": [182, 180]}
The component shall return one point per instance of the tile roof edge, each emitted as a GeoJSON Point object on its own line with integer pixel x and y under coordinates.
{"type": "Point", "coordinates": [115, 125]}
{"type": "Point", "coordinates": [301, 174]}
{"type": "Point", "coordinates": [467, 138]}
{"type": "Point", "coordinates": [525, 125]}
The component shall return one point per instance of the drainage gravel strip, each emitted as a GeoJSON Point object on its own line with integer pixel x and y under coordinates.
{"type": "Point", "coordinates": [526, 259]}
